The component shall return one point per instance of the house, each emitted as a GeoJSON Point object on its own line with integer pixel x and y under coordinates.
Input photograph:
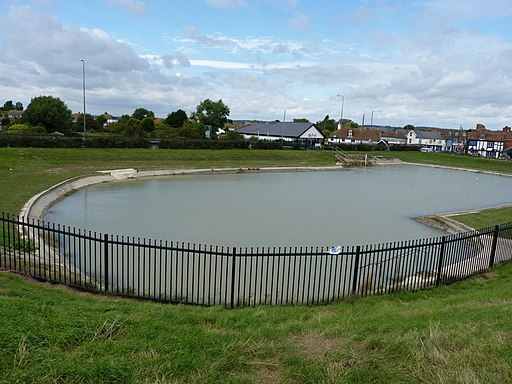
{"type": "Point", "coordinates": [427, 139]}
{"type": "Point", "coordinates": [487, 143]}
{"type": "Point", "coordinates": [14, 114]}
{"type": "Point", "coordinates": [109, 119]}
{"type": "Point", "coordinates": [355, 136]}
{"type": "Point", "coordinates": [394, 137]}
{"type": "Point", "coordinates": [305, 133]}
{"type": "Point", "coordinates": [455, 139]}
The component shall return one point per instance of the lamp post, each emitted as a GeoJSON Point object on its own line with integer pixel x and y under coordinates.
{"type": "Point", "coordinates": [83, 88]}
{"type": "Point", "coordinates": [362, 128]}
{"type": "Point", "coordinates": [371, 121]}
{"type": "Point", "coordinates": [341, 113]}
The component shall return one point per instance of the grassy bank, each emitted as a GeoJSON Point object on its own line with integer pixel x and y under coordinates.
{"type": "Point", "coordinates": [486, 218]}
{"type": "Point", "coordinates": [27, 171]}
{"type": "Point", "coordinates": [453, 334]}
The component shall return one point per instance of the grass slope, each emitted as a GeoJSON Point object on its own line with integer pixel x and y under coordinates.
{"type": "Point", "coordinates": [27, 171]}
{"type": "Point", "coordinates": [455, 334]}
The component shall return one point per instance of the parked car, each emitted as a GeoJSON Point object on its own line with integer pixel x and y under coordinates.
{"type": "Point", "coordinates": [426, 149]}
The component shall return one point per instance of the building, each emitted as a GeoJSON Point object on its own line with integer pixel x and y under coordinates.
{"type": "Point", "coordinates": [427, 139]}
{"type": "Point", "coordinates": [109, 119]}
{"type": "Point", "coordinates": [14, 114]}
{"type": "Point", "coordinates": [487, 143]}
{"type": "Point", "coordinates": [355, 136]}
{"type": "Point", "coordinates": [394, 136]}
{"type": "Point", "coordinates": [455, 139]}
{"type": "Point", "coordinates": [305, 133]}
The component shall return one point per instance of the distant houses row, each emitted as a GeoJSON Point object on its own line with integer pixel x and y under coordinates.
{"type": "Point", "coordinates": [480, 142]}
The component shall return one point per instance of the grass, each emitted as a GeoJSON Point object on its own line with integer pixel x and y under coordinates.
{"type": "Point", "coordinates": [455, 334]}
{"type": "Point", "coordinates": [457, 161]}
{"type": "Point", "coordinates": [49, 334]}
{"type": "Point", "coordinates": [27, 171]}
{"type": "Point", "coordinates": [485, 218]}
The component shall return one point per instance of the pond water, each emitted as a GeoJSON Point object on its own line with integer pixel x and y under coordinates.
{"type": "Point", "coordinates": [320, 208]}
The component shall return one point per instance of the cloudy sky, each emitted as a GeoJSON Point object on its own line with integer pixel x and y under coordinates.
{"type": "Point", "coordinates": [441, 63]}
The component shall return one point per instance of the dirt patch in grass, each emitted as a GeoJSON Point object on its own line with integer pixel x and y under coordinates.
{"type": "Point", "coordinates": [268, 371]}
{"type": "Point", "coordinates": [315, 346]}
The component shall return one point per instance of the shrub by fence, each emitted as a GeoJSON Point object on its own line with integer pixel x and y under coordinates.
{"type": "Point", "coordinates": [240, 277]}
{"type": "Point", "coordinates": [51, 141]}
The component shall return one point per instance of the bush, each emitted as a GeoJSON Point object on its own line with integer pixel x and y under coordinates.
{"type": "Point", "coordinates": [47, 141]}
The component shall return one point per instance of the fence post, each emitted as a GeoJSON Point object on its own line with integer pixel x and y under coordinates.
{"type": "Point", "coordinates": [493, 246]}
{"type": "Point", "coordinates": [233, 266]}
{"type": "Point", "coordinates": [356, 269]}
{"type": "Point", "coordinates": [105, 260]}
{"type": "Point", "coordinates": [441, 259]}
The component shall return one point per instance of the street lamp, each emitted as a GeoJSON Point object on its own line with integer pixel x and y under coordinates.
{"type": "Point", "coordinates": [83, 87]}
{"type": "Point", "coordinates": [341, 113]}
{"type": "Point", "coordinates": [371, 121]}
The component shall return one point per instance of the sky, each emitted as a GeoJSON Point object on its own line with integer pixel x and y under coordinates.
{"type": "Point", "coordinates": [438, 63]}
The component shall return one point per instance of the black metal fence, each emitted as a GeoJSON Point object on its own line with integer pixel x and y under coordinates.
{"type": "Point", "coordinates": [241, 277]}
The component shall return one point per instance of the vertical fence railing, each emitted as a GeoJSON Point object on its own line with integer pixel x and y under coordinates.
{"type": "Point", "coordinates": [243, 277]}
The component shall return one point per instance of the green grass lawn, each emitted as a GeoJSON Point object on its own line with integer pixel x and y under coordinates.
{"type": "Point", "coordinates": [48, 334]}
{"type": "Point", "coordinates": [27, 171]}
{"type": "Point", "coordinates": [486, 218]}
{"type": "Point", "coordinates": [453, 334]}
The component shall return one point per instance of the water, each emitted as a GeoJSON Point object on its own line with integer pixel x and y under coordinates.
{"type": "Point", "coordinates": [355, 206]}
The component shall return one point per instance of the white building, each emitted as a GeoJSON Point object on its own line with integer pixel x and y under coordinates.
{"type": "Point", "coordinates": [305, 133]}
{"type": "Point", "coordinates": [427, 139]}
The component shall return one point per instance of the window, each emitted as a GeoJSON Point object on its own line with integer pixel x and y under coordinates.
{"type": "Point", "coordinates": [349, 133]}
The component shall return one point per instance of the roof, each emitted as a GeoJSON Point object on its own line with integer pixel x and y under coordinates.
{"type": "Point", "coordinates": [365, 134]}
{"type": "Point", "coordinates": [484, 134]}
{"type": "Point", "coordinates": [397, 133]}
{"type": "Point", "coordinates": [285, 129]}
{"type": "Point", "coordinates": [434, 135]}
{"type": "Point", "coordinates": [14, 113]}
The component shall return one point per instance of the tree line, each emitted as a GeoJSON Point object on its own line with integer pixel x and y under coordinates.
{"type": "Point", "coordinates": [48, 114]}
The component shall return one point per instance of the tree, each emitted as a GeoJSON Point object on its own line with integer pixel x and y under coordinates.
{"type": "Point", "coordinates": [214, 113]}
{"type": "Point", "coordinates": [409, 127]}
{"type": "Point", "coordinates": [8, 106]}
{"type": "Point", "coordinates": [128, 126]}
{"type": "Point", "coordinates": [101, 120]}
{"type": "Point", "coordinates": [301, 120]}
{"type": "Point", "coordinates": [142, 113]}
{"type": "Point", "coordinates": [148, 124]}
{"type": "Point", "coordinates": [176, 119]}
{"type": "Point", "coordinates": [49, 112]}
{"type": "Point", "coordinates": [91, 124]}
{"type": "Point", "coordinates": [24, 129]}
{"type": "Point", "coordinates": [18, 106]}
{"type": "Point", "coordinates": [327, 124]}
{"type": "Point", "coordinates": [5, 122]}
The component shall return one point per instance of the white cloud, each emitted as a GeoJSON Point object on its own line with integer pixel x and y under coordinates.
{"type": "Point", "coordinates": [254, 46]}
{"type": "Point", "coordinates": [240, 65]}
